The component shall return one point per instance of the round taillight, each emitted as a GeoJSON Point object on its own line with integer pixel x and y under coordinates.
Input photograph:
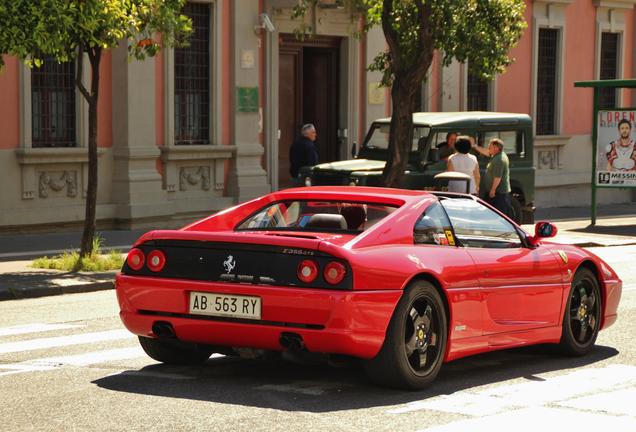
{"type": "Point", "coordinates": [307, 271]}
{"type": "Point", "coordinates": [334, 272]}
{"type": "Point", "coordinates": [156, 260]}
{"type": "Point", "coordinates": [135, 259]}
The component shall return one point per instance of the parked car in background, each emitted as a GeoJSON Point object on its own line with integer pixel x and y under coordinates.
{"type": "Point", "coordinates": [400, 280]}
{"type": "Point", "coordinates": [429, 131]}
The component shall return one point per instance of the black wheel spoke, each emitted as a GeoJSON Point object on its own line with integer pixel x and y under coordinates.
{"type": "Point", "coordinates": [423, 356]}
{"type": "Point", "coordinates": [415, 315]}
{"type": "Point", "coordinates": [591, 300]}
{"type": "Point", "coordinates": [411, 345]}
{"type": "Point", "coordinates": [432, 341]}
{"type": "Point", "coordinates": [583, 333]}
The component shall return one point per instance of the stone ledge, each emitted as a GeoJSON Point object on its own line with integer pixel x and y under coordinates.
{"type": "Point", "coordinates": [53, 155]}
{"type": "Point", "coordinates": [551, 140]}
{"type": "Point", "coordinates": [196, 152]}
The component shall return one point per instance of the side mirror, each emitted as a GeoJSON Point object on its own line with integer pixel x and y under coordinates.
{"type": "Point", "coordinates": [433, 154]}
{"type": "Point", "coordinates": [354, 150]}
{"type": "Point", "coordinates": [542, 230]}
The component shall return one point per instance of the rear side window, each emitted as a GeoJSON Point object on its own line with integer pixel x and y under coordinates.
{"type": "Point", "coordinates": [316, 216]}
{"type": "Point", "coordinates": [475, 225]}
{"type": "Point", "coordinates": [379, 137]}
{"type": "Point", "coordinates": [433, 227]}
{"type": "Point", "coordinates": [513, 140]}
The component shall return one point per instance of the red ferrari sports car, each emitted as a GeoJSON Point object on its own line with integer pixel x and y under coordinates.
{"type": "Point", "coordinates": [404, 280]}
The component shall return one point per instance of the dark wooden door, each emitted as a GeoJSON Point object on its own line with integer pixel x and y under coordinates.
{"type": "Point", "coordinates": [289, 111]}
{"type": "Point", "coordinates": [308, 93]}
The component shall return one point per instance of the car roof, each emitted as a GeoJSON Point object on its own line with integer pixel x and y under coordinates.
{"type": "Point", "coordinates": [354, 193]}
{"type": "Point", "coordinates": [466, 119]}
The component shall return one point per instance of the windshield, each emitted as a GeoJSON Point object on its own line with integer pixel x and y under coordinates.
{"type": "Point", "coordinates": [317, 216]}
{"type": "Point", "coordinates": [379, 137]}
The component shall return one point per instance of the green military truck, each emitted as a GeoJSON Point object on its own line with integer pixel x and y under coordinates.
{"type": "Point", "coordinates": [429, 131]}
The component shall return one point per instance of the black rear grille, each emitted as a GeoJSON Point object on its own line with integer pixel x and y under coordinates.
{"type": "Point", "coordinates": [237, 263]}
{"type": "Point", "coordinates": [234, 320]}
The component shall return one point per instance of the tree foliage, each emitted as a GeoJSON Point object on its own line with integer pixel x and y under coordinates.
{"type": "Point", "coordinates": [478, 32]}
{"type": "Point", "coordinates": [66, 30]}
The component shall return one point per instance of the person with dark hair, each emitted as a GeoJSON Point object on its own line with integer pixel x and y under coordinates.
{"type": "Point", "coordinates": [447, 147]}
{"type": "Point", "coordinates": [303, 152]}
{"type": "Point", "coordinates": [497, 179]}
{"type": "Point", "coordinates": [466, 163]}
{"type": "Point", "coordinates": [355, 215]}
{"type": "Point", "coordinates": [621, 154]}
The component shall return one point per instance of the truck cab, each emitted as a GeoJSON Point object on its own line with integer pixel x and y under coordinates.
{"type": "Point", "coordinates": [429, 132]}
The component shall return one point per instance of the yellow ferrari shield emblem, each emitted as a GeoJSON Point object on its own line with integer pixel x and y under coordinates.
{"type": "Point", "coordinates": [449, 237]}
{"type": "Point", "coordinates": [563, 256]}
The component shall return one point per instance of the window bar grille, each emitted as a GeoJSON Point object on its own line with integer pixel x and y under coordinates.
{"type": "Point", "coordinates": [546, 81]}
{"type": "Point", "coordinates": [192, 80]}
{"type": "Point", "coordinates": [608, 68]}
{"type": "Point", "coordinates": [53, 104]}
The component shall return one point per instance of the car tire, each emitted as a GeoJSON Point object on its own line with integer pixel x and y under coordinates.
{"type": "Point", "coordinates": [417, 331]}
{"type": "Point", "coordinates": [173, 351]}
{"type": "Point", "coordinates": [582, 315]}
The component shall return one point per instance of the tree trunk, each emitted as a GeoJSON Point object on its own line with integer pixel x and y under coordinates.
{"type": "Point", "coordinates": [408, 73]}
{"type": "Point", "coordinates": [401, 132]}
{"type": "Point", "coordinates": [94, 54]}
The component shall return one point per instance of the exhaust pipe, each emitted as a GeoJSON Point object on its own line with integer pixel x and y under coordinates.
{"type": "Point", "coordinates": [163, 330]}
{"type": "Point", "coordinates": [292, 341]}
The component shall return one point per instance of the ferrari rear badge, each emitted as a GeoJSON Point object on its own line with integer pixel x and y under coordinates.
{"type": "Point", "coordinates": [229, 264]}
{"type": "Point", "coordinates": [563, 256]}
{"type": "Point", "coordinates": [449, 236]}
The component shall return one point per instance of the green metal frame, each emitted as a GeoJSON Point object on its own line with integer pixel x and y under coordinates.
{"type": "Point", "coordinates": [597, 85]}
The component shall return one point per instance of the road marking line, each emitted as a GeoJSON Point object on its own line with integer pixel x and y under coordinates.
{"type": "Point", "coordinates": [86, 359]}
{"type": "Point", "coordinates": [35, 344]}
{"type": "Point", "coordinates": [619, 402]}
{"type": "Point", "coordinates": [528, 394]}
{"type": "Point", "coordinates": [35, 328]}
{"type": "Point", "coordinates": [534, 419]}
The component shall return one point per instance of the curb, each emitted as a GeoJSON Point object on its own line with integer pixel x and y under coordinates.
{"type": "Point", "coordinates": [13, 293]}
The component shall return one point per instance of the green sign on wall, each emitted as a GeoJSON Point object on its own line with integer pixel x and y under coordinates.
{"type": "Point", "coordinates": [247, 99]}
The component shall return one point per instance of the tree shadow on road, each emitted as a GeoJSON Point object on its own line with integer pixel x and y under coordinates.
{"type": "Point", "coordinates": [288, 386]}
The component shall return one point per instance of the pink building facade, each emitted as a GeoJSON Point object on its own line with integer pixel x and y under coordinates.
{"type": "Point", "coordinates": [177, 142]}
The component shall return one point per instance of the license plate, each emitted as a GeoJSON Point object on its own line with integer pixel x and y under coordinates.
{"type": "Point", "coordinates": [226, 305]}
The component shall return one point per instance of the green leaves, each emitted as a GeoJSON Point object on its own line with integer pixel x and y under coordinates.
{"type": "Point", "coordinates": [480, 32]}
{"type": "Point", "coordinates": [33, 28]}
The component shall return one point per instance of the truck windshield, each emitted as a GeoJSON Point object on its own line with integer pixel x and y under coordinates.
{"type": "Point", "coordinates": [379, 137]}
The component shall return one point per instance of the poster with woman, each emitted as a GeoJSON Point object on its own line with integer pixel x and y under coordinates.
{"type": "Point", "coordinates": [616, 148]}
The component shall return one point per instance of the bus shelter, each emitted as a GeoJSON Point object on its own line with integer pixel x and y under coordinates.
{"type": "Point", "coordinates": [613, 143]}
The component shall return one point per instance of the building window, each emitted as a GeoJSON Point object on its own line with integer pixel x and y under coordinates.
{"type": "Point", "coordinates": [547, 81]}
{"type": "Point", "coordinates": [192, 80]}
{"type": "Point", "coordinates": [608, 67]}
{"type": "Point", "coordinates": [478, 94]}
{"type": "Point", "coordinates": [53, 104]}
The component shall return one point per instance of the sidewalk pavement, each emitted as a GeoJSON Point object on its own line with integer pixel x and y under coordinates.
{"type": "Point", "coordinates": [615, 226]}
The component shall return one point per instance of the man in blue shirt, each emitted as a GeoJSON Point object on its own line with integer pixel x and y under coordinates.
{"type": "Point", "coordinates": [303, 152]}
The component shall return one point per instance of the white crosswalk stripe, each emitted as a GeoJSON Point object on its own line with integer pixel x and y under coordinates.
{"type": "Point", "coordinates": [35, 328]}
{"type": "Point", "coordinates": [59, 341]}
{"type": "Point", "coordinates": [82, 341]}
{"type": "Point", "coordinates": [583, 399]}
{"type": "Point", "coordinates": [86, 359]}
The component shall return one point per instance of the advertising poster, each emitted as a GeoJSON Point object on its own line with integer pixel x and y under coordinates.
{"type": "Point", "coordinates": [616, 149]}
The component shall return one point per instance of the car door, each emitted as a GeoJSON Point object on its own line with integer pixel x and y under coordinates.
{"type": "Point", "coordinates": [521, 286]}
{"type": "Point", "coordinates": [435, 245]}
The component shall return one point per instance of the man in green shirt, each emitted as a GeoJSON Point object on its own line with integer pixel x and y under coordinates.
{"type": "Point", "coordinates": [496, 189]}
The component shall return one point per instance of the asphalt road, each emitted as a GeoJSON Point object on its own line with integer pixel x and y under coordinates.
{"type": "Point", "coordinates": [66, 363]}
